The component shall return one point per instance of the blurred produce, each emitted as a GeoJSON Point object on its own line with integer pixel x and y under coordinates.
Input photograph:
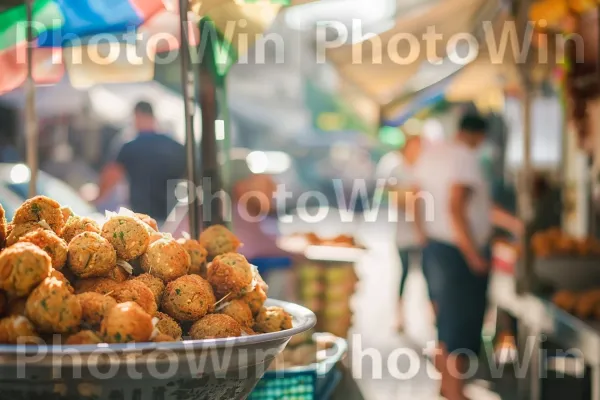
{"type": "Point", "coordinates": [554, 242]}
{"type": "Point", "coordinates": [584, 305]}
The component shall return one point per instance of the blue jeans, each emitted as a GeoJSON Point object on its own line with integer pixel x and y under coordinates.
{"type": "Point", "coordinates": [460, 295]}
{"type": "Point", "coordinates": [408, 256]}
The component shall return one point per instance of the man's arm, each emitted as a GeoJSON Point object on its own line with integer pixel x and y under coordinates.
{"type": "Point", "coordinates": [111, 175]}
{"type": "Point", "coordinates": [505, 220]}
{"type": "Point", "coordinates": [459, 198]}
{"type": "Point", "coordinates": [414, 210]}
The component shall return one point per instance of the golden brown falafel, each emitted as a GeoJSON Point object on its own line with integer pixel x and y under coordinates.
{"type": "Point", "coordinates": [166, 259]}
{"type": "Point", "coordinates": [94, 306]}
{"type": "Point", "coordinates": [230, 273]}
{"type": "Point", "coordinates": [52, 308]}
{"type": "Point", "coordinates": [90, 255]}
{"type": "Point", "coordinates": [22, 267]}
{"type": "Point", "coordinates": [127, 322]}
{"type": "Point", "coordinates": [137, 292]}
{"type": "Point", "coordinates": [168, 326]}
{"type": "Point", "coordinates": [155, 284]}
{"type": "Point", "coordinates": [49, 242]}
{"type": "Point", "coordinates": [272, 319]}
{"type": "Point", "coordinates": [78, 225]}
{"type": "Point", "coordinates": [127, 235]}
{"type": "Point", "coordinates": [217, 239]}
{"type": "Point", "coordinates": [83, 337]}
{"type": "Point", "coordinates": [215, 326]}
{"type": "Point", "coordinates": [188, 298]}
{"type": "Point", "coordinates": [40, 208]}
{"type": "Point", "coordinates": [198, 255]}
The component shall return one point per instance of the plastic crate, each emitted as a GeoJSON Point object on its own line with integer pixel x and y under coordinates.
{"type": "Point", "coordinates": [314, 382]}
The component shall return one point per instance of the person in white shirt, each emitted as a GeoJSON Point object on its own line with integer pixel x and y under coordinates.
{"type": "Point", "coordinates": [400, 179]}
{"type": "Point", "coordinates": [456, 215]}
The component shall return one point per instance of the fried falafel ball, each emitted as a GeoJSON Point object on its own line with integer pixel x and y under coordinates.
{"type": "Point", "coordinates": [148, 220]}
{"type": "Point", "coordinates": [52, 308]}
{"type": "Point", "coordinates": [76, 225]}
{"type": "Point", "coordinates": [22, 267]}
{"type": "Point", "coordinates": [90, 255]}
{"type": "Point", "coordinates": [50, 243]}
{"type": "Point", "coordinates": [16, 306]}
{"type": "Point", "coordinates": [230, 273]}
{"type": "Point", "coordinates": [166, 259]}
{"type": "Point", "coordinates": [15, 232]}
{"type": "Point", "coordinates": [255, 299]}
{"type": "Point", "coordinates": [60, 276]}
{"type": "Point", "coordinates": [98, 285]}
{"type": "Point", "coordinates": [128, 236]}
{"type": "Point", "coordinates": [83, 337]}
{"type": "Point", "coordinates": [67, 213]}
{"type": "Point", "coordinates": [3, 227]}
{"type": "Point", "coordinates": [238, 310]}
{"type": "Point", "coordinates": [188, 298]}
{"type": "Point", "coordinates": [217, 239]}
{"type": "Point", "coordinates": [272, 319]}
{"type": "Point", "coordinates": [197, 254]}
{"type": "Point", "coordinates": [137, 292]}
{"type": "Point", "coordinates": [168, 326]}
{"type": "Point", "coordinates": [156, 285]}
{"type": "Point", "coordinates": [40, 208]}
{"type": "Point", "coordinates": [17, 330]}
{"type": "Point", "coordinates": [118, 274]}
{"type": "Point", "coordinates": [162, 338]}
{"type": "Point", "coordinates": [215, 326]}
{"type": "Point", "coordinates": [94, 307]}
{"type": "Point", "coordinates": [127, 322]}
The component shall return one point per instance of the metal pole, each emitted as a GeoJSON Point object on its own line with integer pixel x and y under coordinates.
{"type": "Point", "coordinates": [187, 86]}
{"type": "Point", "coordinates": [31, 123]}
{"type": "Point", "coordinates": [212, 210]}
{"type": "Point", "coordinates": [525, 276]}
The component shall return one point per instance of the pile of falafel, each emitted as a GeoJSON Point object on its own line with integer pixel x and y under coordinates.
{"type": "Point", "coordinates": [123, 281]}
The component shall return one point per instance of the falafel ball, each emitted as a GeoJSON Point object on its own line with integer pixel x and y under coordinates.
{"type": "Point", "coordinates": [3, 227]}
{"type": "Point", "coordinates": [50, 243]}
{"type": "Point", "coordinates": [40, 208]}
{"type": "Point", "coordinates": [22, 267]}
{"type": "Point", "coordinates": [197, 254]}
{"type": "Point", "coordinates": [148, 220]}
{"type": "Point", "coordinates": [161, 338]}
{"type": "Point", "coordinates": [90, 255]}
{"type": "Point", "coordinates": [83, 337]}
{"type": "Point", "coordinates": [238, 310]}
{"type": "Point", "coordinates": [255, 299]}
{"type": "Point", "coordinates": [67, 213]}
{"type": "Point", "coordinates": [137, 292]}
{"type": "Point", "coordinates": [15, 232]}
{"type": "Point", "coordinates": [128, 236]}
{"type": "Point", "coordinates": [52, 308]}
{"type": "Point", "coordinates": [76, 225]}
{"type": "Point", "coordinates": [60, 276]}
{"type": "Point", "coordinates": [188, 298]}
{"type": "Point", "coordinates": [215, 326]}
{"type": "Point", "coordinates": [168, 326]}
{"type": "Point", "coordinates": [98, 285]}
{"type": "Point", "coordinates": [217, 239]}
{"type": "Point", "coordinates": [272, 319]}
{"type": "Point", "coordinates": [94, 307]}
{"type": "Point", "coordinates": [166, 259]}
{"type": "Point", "coordinates": [156, 285]}
{"type": "Point", "coordinates": [118, 274]}
{"type": "Point", "coordinates": [127, 322]}
{"type": "Point", "coordinates": [17, 330]}
{"type": "Point", "coordinates": [230, 273]}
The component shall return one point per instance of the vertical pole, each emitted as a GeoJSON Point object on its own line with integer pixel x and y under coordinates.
{"type": "Point", "coordinates": [187, 86]}
{"type": "Point", "coordinates": [212, 211]}
{"type": "Point", "coordinates": [226, 143]}
{"type": "Point", "coordinates": [31, 123]}
{"type": "Point", "coordinates": [524, 278]}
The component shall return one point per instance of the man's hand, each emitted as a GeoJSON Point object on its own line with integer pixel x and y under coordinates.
{"type": "Point", "coordinates": [477, 263]}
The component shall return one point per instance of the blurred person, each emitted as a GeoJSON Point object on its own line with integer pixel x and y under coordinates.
{"type": "Point", "coordinates": [148, 162]}
{"type": "Point", "coordinates": [457, 245]}
{"type": "Point", "coordinates": [407, 239]}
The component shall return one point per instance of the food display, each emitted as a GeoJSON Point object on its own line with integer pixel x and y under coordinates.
{"type": "Point", "coordinates": [554, 242]}
{"type": "Point", "coordinates": [124, 281]}
{"type": "Point", "coordinates": [584, 305]}
{"type": "Point", "coordinates": [326, 288]}
{"type": "Point", "coordinates": [338, 241]}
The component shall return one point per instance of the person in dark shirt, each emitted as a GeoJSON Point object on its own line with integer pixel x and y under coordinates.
{"type": "Point", "coordinates": [149, 161]}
